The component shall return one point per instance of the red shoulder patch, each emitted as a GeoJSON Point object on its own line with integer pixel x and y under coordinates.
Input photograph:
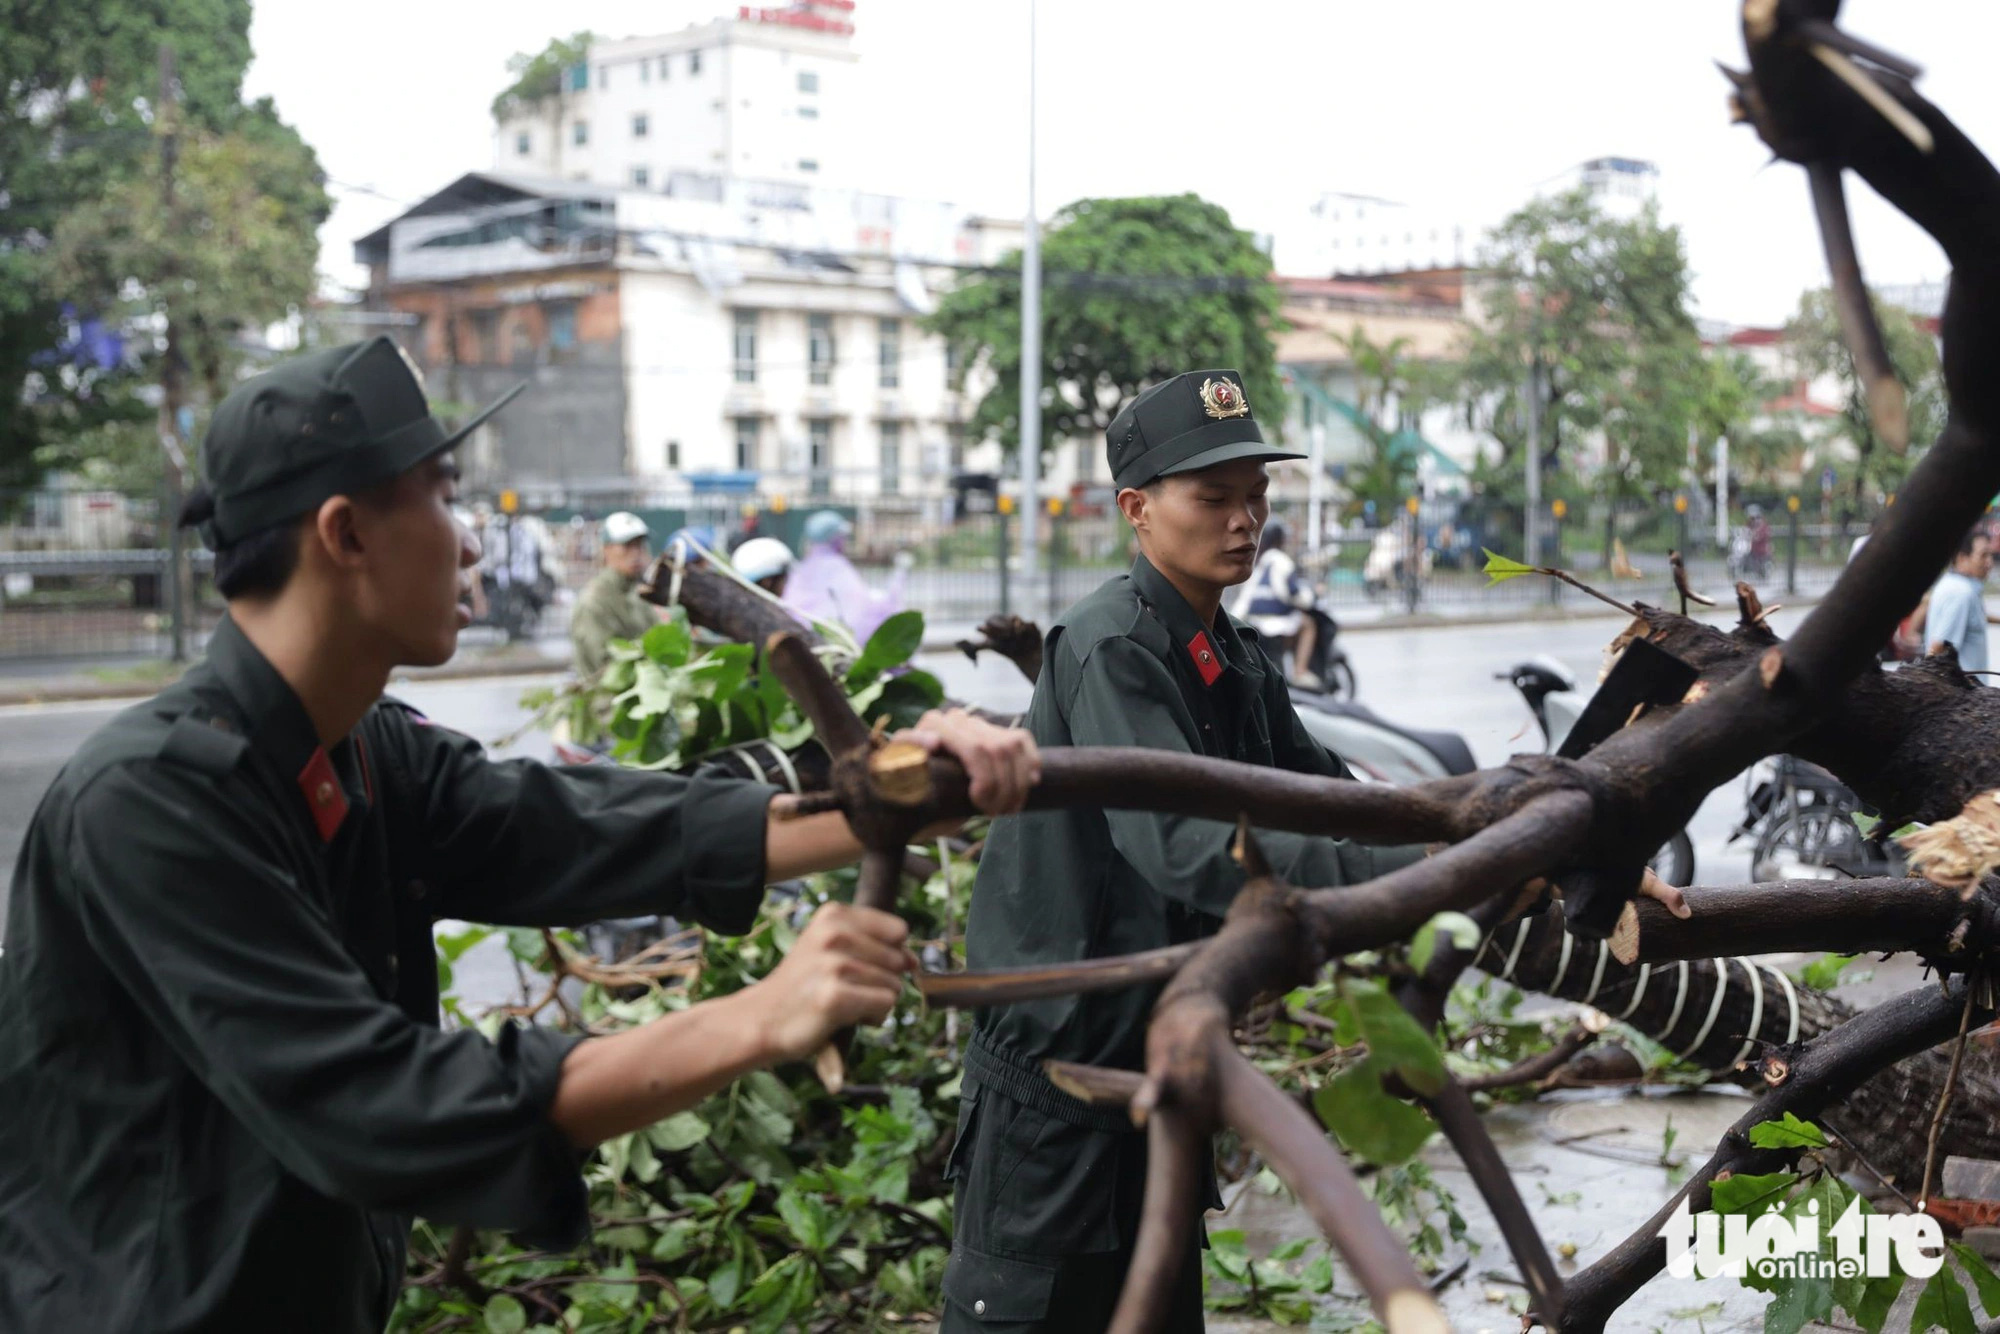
{"type": "Point", "coordinates": [1205, 660]}
{"type": "Point", "coordinates": [320, 786]}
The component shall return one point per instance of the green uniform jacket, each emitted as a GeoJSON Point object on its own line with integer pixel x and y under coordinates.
{"type": "Point", "coordinates": [608, 608]}
{"type": "Point", "coordinates": [225, 1085]}
{"type": "Point", "coordinates": [1123, 668]}
{"type": "Point", "coordinates": [1049, 1189]}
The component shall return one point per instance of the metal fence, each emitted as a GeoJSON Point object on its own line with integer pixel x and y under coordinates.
{"type": "Point", "coordinates": [83, 574]}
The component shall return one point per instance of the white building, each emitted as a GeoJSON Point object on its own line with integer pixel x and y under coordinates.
{"type": "Point", "coordinates": [759, 337]}
{"type": "Point", "coordinates": [1360, 235]}
{"type": "Point", "coordinates": [761, 95]}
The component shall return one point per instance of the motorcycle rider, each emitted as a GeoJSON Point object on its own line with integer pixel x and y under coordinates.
{"type": "Point", "coordinates": [1277, 602]}
{"type": "Point", "coordinates": [765, 562]}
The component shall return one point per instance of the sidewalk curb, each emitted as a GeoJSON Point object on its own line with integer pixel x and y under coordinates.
{"type": "Point", "coordinates": [79, 691]}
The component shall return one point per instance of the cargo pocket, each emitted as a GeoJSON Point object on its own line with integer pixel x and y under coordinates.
{"type": "Point", "coordinates": [961, 1147]}
{"type": "Point", "coordinates": [995, 1290]}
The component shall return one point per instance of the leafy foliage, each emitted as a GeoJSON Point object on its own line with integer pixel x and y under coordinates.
{"type": "Point", "coordinates": [1814, 341]}
{"type": "Point", "coordinates": [1600, 305]}
{"type": "Point", "coordinates": [538, 78]}
{"type": "Point", "coordinates": [1133, 291]}
{"type": "Point", "coordinates": [1815, 1191]}
{"type": "Point", "coordinates": [79, 93]}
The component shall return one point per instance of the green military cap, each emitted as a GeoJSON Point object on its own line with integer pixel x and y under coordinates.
{"type": "Point", "coordinates": [330, 423]}
{"type": "Point", "coordinates": [1192, 421]}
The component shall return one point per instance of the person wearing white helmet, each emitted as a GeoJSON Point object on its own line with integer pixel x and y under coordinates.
{"type": "Point", "coordinates": [610, 607]}
{"type": "Point", "coordinates": [765, 562]}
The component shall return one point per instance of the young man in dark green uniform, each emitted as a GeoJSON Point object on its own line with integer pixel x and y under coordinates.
{"type": "Point", "coordinates": [1048, 1189]}
{"type": "Point", "coordinates": [226, 1090]}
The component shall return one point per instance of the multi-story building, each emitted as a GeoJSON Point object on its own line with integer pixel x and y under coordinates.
{"type": "Point", "coordinates": [724, 334]}
{"type": "Point", "coordinates": [760, 95]}
{"type": "Point", "coordinates": [1360, 235]}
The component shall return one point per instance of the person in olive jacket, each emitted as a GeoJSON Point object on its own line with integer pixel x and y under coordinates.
{"type": "Point", "coordinates": [225, 1083]}
{"type": "Point", "coordinates": [1048, 1190]}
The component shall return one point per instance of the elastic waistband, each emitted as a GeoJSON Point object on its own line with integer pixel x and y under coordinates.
{"type": "Point", "coordinates": [1022, 1080]}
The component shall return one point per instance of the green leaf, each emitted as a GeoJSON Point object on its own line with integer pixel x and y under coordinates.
{"type": "Point", "coordinates": [894, 643]}
{"type": "Point", "coordinates": [1877, 1300]}
{"type": "Point", "coordinates": [1865, 822]}
{"type": "Point", "coordinates": [1394, 1039]}
{"type": "Point", "coordinates": [724, 1285]}
{"type": "Point", "coordinates": [456, 944]}
{"type": "Point", "coordinates": [652, 692]}
{"type": "Point", "coordinates": [669, 643]}
{"type": "Point", "coordinates": [1462, 931]}
{"type": "Point", "coordinates": [1944, 1306]}
{"type": "Point", "coordinates": [1500, 568]}
{"type": "Point", "coordinates": [812, 1224]}
{"type": "Point", "coordinates": [679, 1132]}
{"type": "Point", "coordinates": [1790, 1133]}
{"type": "Point", "coordinates": [505, 1315]}
{"type": "Point", "coordinates": [902, 700]}
{"type": "Point", "coordinates": [1745, 1192]}
{"type": "Point", "coordinates": [1373, 1125]}
{"type": "Point", "coordinates": [1982, 1276]}
{"type": "Point", "coordinates": [1823, 974]}
{"type": "Point", "coordinates": [1795, 1301]}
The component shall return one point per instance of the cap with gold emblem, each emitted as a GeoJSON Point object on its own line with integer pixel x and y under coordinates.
{"type": "Point", "coordinates": [1192, 421]}
{"type": "Point", "coordinates": [326, 424]}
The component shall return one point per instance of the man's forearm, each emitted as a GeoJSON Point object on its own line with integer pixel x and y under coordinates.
{"type": "Point", "coordinates": [613, 1085]}
{"type": "Point", "coordinates": [793, 848]}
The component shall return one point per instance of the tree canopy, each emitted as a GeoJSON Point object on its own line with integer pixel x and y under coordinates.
{"type": "Point", "coordinates": [539, 76]}
{"type": "Point", "coordinates": [1815, 341]}
{"type": "Point", "coordinates": [1600, 305]}
{"type": "Point", "coordinates": [91, 258]}
{"type": "Point", "coordinates": [1134, 291]}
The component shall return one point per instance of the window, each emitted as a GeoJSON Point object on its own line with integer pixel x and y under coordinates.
{"type": "Point", "coordinates": [579, 133]}
{"type": "Point", "coordinates": [819, 454]}
{"type": "Point", "coordinates": [745, 347]}
{"type": "Point", "coordinates": [604, 76]}
{"type": "Point", "coordinates": [562, 325]}
{"type": "Point", "coordinates": [645, 71]}
{"type": "Point", "coordinates": [641, 177]}
{"type": "Point", "coordinates": [808, 113]}
{"type": "Point", "coordinates": [674, 455]}
{"type": "Point", "coordinates": [522, 144]}
{"type": "Point", "coordinates": [808, 81]}
{"type": "Point", "coordinates": [808, 164]}
{"type": "Point", "coordinates": [694, 62]}
{"type": "Point", "coordinates": [747, 431]}
{"type": "Point", "coordinates": [663, 69]}
{"type": "Point", "coordinates": [892, 458]}
{"type": "Point", "coordinates": [889, 352]}
{"type": "Point", "coordinates": [639, 125]}
{"type": "Point", "coordinates": [954, 436]}
{"type": "Point", "coordinates": [819, 349]}
{"type": "Point", "coordinates": [578, 77]}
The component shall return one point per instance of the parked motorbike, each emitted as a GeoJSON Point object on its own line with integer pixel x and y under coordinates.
{"type": "Point", "coordinates": [1551, 695]}
{"type": "Point", "coordinates": [1803, 821]}
{"type": "Point", "coordinates": [1328, 660]}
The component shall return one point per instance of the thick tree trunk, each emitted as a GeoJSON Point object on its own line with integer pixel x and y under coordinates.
{"type": "Point", "coordinates": [1720, 1014]}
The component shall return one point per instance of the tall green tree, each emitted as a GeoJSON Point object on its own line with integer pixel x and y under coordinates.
{"type": "Point", "coordinates": [1735, 401]}
{"type": "Point", "coordinates": [1133, 291]}
{"type": "Point", "coordinates": [1392, 391]}
{"type": "Point", "coordinates": [1813, 335]}
{"type": "Point", "coordinates": [1599, 306]}
{"type": "Point", "coordinates": [80, 119]}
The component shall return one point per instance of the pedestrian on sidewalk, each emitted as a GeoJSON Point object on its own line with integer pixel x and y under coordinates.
{"type": "Point", "coordinates": [1957, 611]}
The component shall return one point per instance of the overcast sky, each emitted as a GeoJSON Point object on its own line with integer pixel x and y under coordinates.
{"type": "Point", "coordinates": [1258, 104]}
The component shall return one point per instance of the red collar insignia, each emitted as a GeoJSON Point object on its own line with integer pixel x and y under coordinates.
{"type": "Point", "coordinates": [324, 796]}
{"type": "Point", "coordinates": [1205, 659]}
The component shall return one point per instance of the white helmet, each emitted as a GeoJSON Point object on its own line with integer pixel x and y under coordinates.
{"type": "Point", "coordinates": [762, 557]}
{"type": "Point", "coordinates": [623, 527]}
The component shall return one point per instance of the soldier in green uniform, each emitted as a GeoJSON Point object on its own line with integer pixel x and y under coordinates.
{"type": "Point", "coordinates": [610, 606]}
{"type": "Point", "coordinates": [1048, 1189]}
{"type": "Point", "coordinates": [225, 1084]}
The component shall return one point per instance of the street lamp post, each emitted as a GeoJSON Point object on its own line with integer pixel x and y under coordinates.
{"type": "Point", "coordinates": [1031, 339]}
